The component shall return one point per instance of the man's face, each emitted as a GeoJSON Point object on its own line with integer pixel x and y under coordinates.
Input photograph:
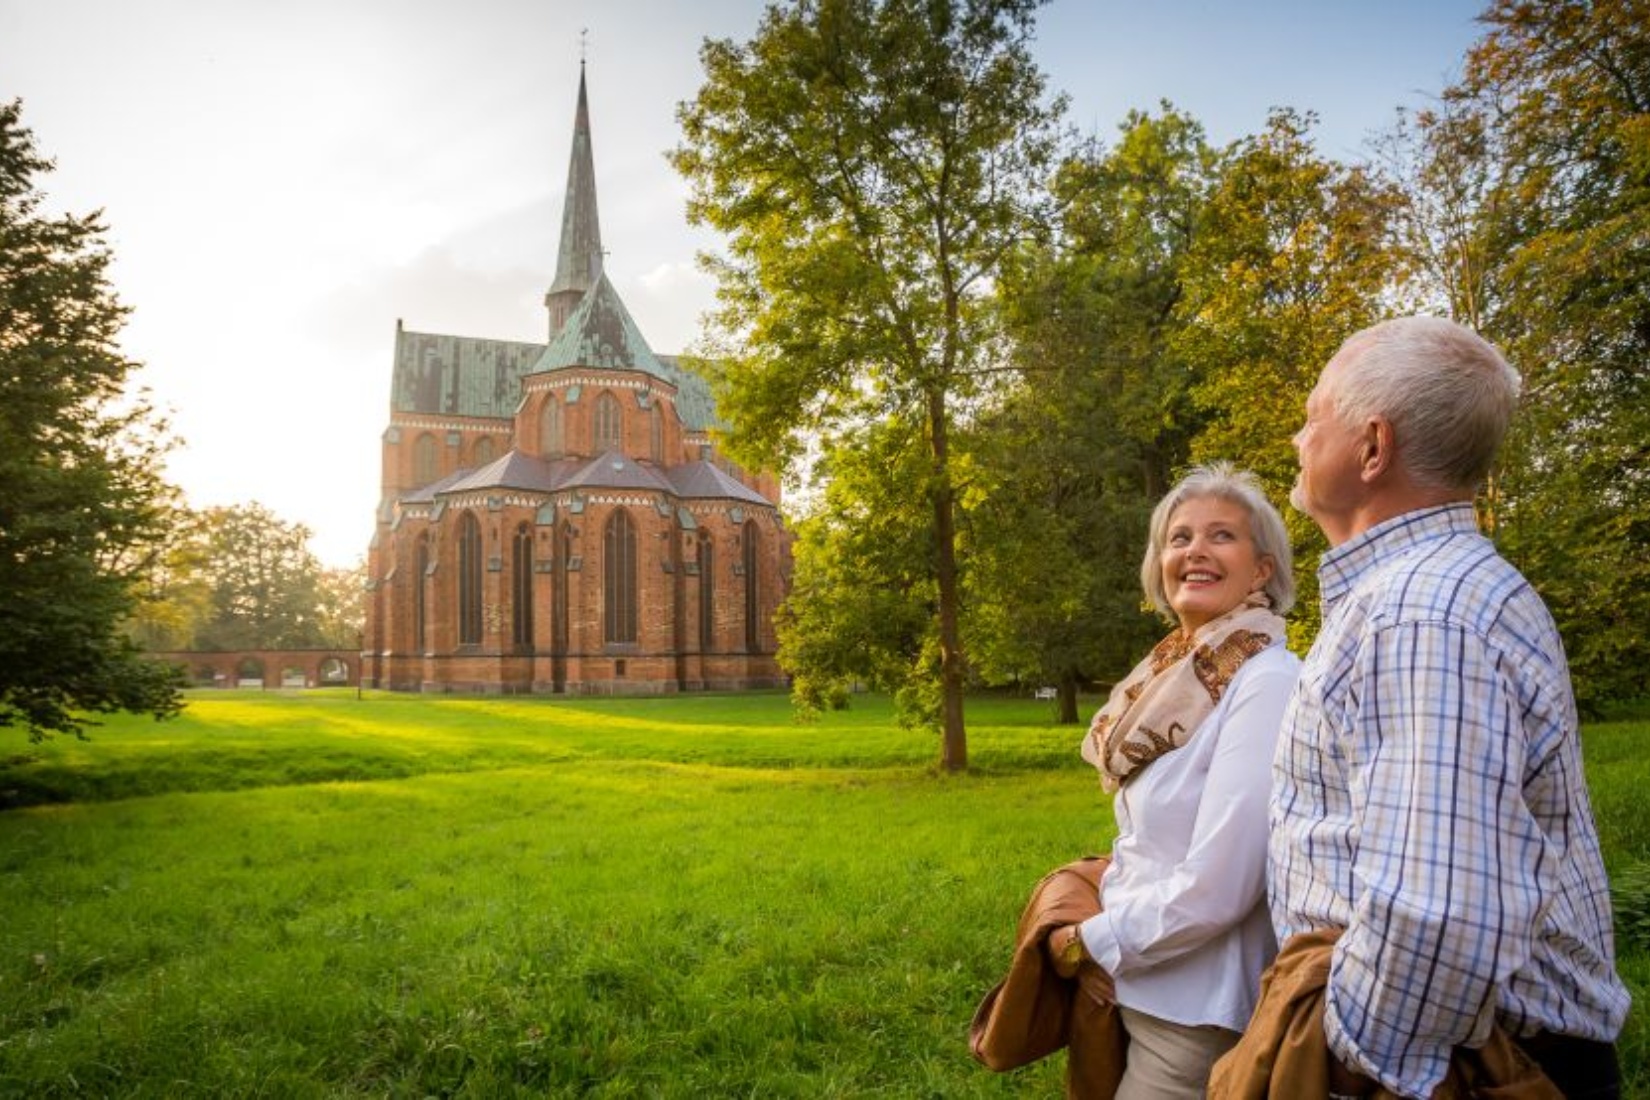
{"type": "Point", "coordinates": [1329, 487]}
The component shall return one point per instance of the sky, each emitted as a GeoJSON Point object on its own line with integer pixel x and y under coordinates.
{"type": "Point", "coordinates": [283, 181]}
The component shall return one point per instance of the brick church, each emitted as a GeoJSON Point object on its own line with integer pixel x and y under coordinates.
{"type": "Point", "coordinates": [556, 517]}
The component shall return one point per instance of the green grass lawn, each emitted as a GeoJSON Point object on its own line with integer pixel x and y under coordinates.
{"type": "Point", "coordinates": [294, 895]}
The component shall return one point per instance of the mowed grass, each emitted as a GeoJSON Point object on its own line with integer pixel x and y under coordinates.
{"type": "Point", "coordinates": [293, 895]}
{"type": "Point", "coordinates": [306, 895]}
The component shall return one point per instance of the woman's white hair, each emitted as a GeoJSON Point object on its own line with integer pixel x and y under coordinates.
{"type": "Point", "coordinates": [1223, 481]}
{"type": "Point", "coordinates": [1447, 392]}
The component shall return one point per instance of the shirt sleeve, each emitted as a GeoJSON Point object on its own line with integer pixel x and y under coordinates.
{"type": "Point", "coordinates": [1223, 875]}
{"type": "Point", "coordinates": [1446, 887]}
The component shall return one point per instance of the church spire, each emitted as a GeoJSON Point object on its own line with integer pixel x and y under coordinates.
{"type": "Point", "coordinates": [579, 260]}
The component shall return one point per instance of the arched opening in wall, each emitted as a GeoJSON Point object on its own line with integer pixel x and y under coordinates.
{"type": "Point", "coordinates": [420, 586]}
{"type": "Point", "coordinates": [469, 580]}
{"type": "Point", "coordinates": [707, 593]}
{"type": "Point", "coordinates": [249, 673]}
{"type": "Point", "coordinates": [205, 676]}
{"type": "Point", "coordinates": [753, 601]}
{"type": "Point", "coordinates": [552, 435]}
{"type": "Point", "coordinates": [426, 463]}
{"type": "Point", "coordinates": [293, 676]}
{"type": "Point", "coordinates": [521, 589]}
{"type": "Point", "coordinates": [619, 579]}
{"type": "Point", "coordinates": [609, 423]}
{"type": "Point", "coordinates": [334, 671]}
{"type": "Point", "coordinates": [483, 452]}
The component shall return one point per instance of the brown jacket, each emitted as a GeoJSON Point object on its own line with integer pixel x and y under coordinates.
{"type": "Point", "coordinates": [1283, 1054]}
{"type": "Point", "coordinates": [1033, 1012]}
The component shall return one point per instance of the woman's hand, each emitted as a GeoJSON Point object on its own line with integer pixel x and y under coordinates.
{"type": "Point", "coordinates": [1065, 950]}
{"type": "Point", "coordinates": [1068, 955]}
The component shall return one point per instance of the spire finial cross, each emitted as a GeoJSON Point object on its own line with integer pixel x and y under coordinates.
{"type": "Point", "coordinates": [584, 34]}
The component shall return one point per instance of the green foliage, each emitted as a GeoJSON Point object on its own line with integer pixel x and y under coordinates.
{"type": "Point", "coordinates": [243, 578]}
{"type": "Point", "coordinates": [1070, 461]}
{"type": "Point", "coordinates": [1293, 258]}
{"type": "Point", "coordinates": [870, 162]}
{"type": "Point", "coordinates": [1158, 304]}
{"type": "Point", "coordinates": [262, 578]}
{"type": "Point", "coordinates": [1566, 86]}
{"type": "Point", "coordinates": [82, 503]}
{"type": "Point", "coordinates": [174, 598]}
{"type": "Point", "coordinates": [862, 601]}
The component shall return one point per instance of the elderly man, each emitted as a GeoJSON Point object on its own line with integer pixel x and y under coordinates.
{"type": "Point", "coordinates": [1428, 795]}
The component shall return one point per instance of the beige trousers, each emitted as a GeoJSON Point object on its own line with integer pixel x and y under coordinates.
{"type": "Point", "coordinates": [1169, 1061]}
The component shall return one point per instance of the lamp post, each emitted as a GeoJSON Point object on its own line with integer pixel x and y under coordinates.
{"type": "Point", "coordinates": [360, 662]}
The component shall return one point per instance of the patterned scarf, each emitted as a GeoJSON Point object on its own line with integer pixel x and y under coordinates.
{"type": "Point", "coordinates": [1156, 708]}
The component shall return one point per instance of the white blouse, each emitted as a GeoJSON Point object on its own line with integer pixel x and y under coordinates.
{"type": "Point", "coordinates": [1185, 931]}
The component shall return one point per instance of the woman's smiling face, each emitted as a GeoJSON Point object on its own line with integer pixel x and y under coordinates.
{"type": "Point", "coordinates": [1209, 560]}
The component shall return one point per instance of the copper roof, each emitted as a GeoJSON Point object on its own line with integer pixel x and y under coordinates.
{"type": "Point", "coordinates": [611, 470]}
{"type": "Point", "coordinates": [579, 261]}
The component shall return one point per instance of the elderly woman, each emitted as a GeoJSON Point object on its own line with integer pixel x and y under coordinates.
{"type": "Point", "coordinates": [1185, 744]}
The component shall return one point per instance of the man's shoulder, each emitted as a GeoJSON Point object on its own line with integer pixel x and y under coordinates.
{"type": "Point", "coordinates": [1458, 578]}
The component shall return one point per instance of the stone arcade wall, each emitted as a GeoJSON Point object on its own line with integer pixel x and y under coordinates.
{"type": "Point", "coordinates": [234, 668]}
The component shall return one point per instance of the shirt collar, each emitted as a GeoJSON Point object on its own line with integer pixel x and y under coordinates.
{"type": "Point", "coordinates": [1340, 568]}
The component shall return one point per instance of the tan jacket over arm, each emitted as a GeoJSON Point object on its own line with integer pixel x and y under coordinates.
{"type": "Point", "coordinates": [1033, 1012]}
{"type": "Point", "coordinates": [1283, 1054]}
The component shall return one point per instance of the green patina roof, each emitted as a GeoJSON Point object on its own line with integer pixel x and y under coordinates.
{"type": "Point", "coordinates": [467, 376]}
{"type": "Point", "coordinates": [459, 375]}
{"type": "Point", "coordinates": [579, 260]}
{"type": "Point", "coordinates": [694, 403]}
{"type": "Point", "coordinates": [601, 333]}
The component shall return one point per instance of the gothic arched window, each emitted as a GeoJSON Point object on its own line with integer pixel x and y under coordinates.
{"type": "Point", "coordinates": [421, 568]}
{"type": "Point", "coordinates": [483, 452]}
{"type": "Point", "coordinates": [707, 593]}
{"type": "Point", "coordinates": [753, 602]}
{"type": "Point", "coordinates": [552, 441]}
{"type": "Point", "coordinates": [656, 434]}
{"type": "Point", "coordinates": [426, 468]}
{"type": "Point", "coordinates": [521, 588]}
{"type": "Point", "coordinates": [609, 423]}
{"type": "Point", "coordinates": [619, 579]}
{"type": "Point", "coordinates": [469, 580]}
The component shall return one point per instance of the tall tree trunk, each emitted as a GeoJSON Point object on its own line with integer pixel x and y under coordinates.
{"type": "Point", "coordinates": [954, 747]}
{"type": "Point", "coordinates": [1068, 697]}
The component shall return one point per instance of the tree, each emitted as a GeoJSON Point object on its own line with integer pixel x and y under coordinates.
{"type": "Point", "coordinates": [1072, 461]}
{"type": "Point", "coordinates": [863, 596]}
{"type": "Point", "coordinates": [82, 501]}
{"type": "Point", "coordinates": [266, 586]}
{"type": "Point", "coordinates": [870, 163]}
{"type": "Point", "coordinates": [241, 577]}
{"type": "Point", "coordinates": [1565, 88]}
{"type": "Point", "coordinates": [1295, 255]}
{"type": "Point", "coordinates": [173, 598]}
{"type": "Point", "coordinates": [340, 605]}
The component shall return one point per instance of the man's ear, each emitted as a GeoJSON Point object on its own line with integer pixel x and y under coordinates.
{"type": "Point", "coordinates": [1377, 450]}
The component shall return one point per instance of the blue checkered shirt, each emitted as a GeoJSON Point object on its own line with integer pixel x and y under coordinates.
{"type": "Point", "coordinates": [1428, 797]}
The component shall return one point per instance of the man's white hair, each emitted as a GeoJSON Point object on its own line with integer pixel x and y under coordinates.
{"type": "Point", "coordinates": [1448, 393]}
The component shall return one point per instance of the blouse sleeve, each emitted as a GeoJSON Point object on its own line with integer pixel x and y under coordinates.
{"type": "Point", "coordinates": [1223, 875]}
